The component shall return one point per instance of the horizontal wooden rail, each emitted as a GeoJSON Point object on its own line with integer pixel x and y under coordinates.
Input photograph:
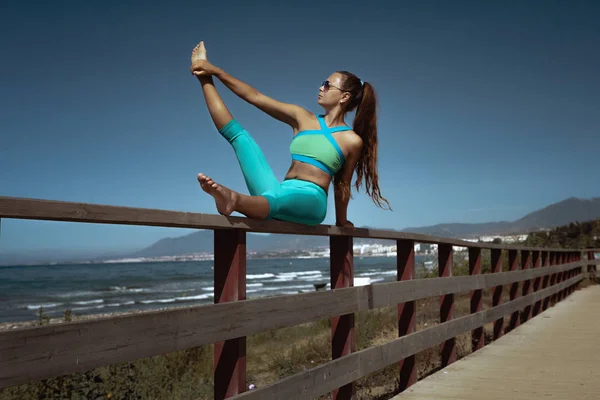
{"type": "Point", "coordinates": [19, 208]}
{"type": "Point", "coordinates": [333, 374]}
{"type": "Point", "coordinates": [42, 352]}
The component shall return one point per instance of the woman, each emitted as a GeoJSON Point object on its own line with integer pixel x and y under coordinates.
{"type": "Point", "coordinates": [323, 148]}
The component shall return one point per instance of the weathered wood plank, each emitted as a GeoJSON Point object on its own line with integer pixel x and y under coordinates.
{"type": "Point", "coordinates": [319, 380]}
{"type": "Point", "coordinates": [50, 210]}
{"type": "Point", "coordinates": [42, 352]}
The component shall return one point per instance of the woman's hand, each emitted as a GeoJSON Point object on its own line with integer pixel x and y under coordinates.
{"type": "Point", "coordinates": [203, 68]}
{"type": "Point", "coordinates": [345, 224]}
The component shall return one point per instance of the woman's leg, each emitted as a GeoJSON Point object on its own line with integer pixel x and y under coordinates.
{"type": "Point", "coordinates": [228, 201]}
{"type": "Point", "coordinates": [295, 201]}
{"type": "Point", "coordinates": [256, 170]}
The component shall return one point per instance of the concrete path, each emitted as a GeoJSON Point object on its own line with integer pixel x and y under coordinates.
{"type": "Point", "coordinates": [553, 356]}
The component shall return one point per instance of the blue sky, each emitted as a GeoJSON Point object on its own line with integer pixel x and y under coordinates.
{"type": "Point", "coordinates": [488, 110]}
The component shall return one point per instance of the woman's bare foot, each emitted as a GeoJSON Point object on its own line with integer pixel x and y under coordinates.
{"type": "Point", "coordinates": [199, 52]}
{"type": "Point", "coordinates": [225, 199]}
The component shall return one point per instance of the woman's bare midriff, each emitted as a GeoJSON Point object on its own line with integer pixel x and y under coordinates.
{"type": "Point", "coordinates": [307, 172]}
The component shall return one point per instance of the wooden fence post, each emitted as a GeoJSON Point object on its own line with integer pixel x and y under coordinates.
{"type": "Point", "coordinates": [538, 260]}
{"type": "Point", "coordinates": [230, 285]}
{"type": "Point", "coordinates": [445, 266]}
{"type": "Point", "coordinates": [591, 268]}
{"type": "Point", "coordinates": [497, 293]}
{"type": "Point", "coordinates": [513, 263]}
{"type": "Point", "coordinates": [405, 260]}
{"type": "Point", "coordinates": [554, 277]}
{"type": "Point", "coordinates": [476, 297]}
{"type": "Point", "coordinates": [526, 264]}
{"type": "Point", "coordinates": [343, 339]}
{"type": "Point", "coordinates": [560, 276]}
{"type": "Point", "coordinates": [546, 281]}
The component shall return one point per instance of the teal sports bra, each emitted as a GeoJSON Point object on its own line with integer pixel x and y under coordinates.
{"type": "Point", "coordinates": [319, 148]}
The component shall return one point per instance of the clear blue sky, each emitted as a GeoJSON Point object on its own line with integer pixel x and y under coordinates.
{"type": "Point", "coordinates": [488, 110]}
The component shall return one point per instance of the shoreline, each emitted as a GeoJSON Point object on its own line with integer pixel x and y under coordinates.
{"type": "Point", "coordinates": [5, 326]}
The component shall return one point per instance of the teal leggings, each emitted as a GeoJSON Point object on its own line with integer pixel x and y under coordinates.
{"type": "Point", "coordinates": [292, 200]}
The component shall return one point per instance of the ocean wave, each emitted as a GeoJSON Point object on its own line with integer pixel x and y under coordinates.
{"type": "Point", "coordinates": [111, 289]}
{"type": "Point", "coordinates": [172, 300]}
{"type": "Point", "coordinates": [87, 308]}
{"type": "Point", "coordinates": [127, 303]}
{"type": "Point", "coordinates": [76, 294]}
{"type": "Point", "coordinates": [248, 285]}
{"type": "Point", "coordinates": [294, 274]}
{"type": "Point", "coordinates": [260, 276]}
{"type": "Point", "coordinates": [47, 305]}
{"type": "Point", "coordinates": [85, 303]}
{"type": "Point", "coordinates": [125, 289]}
{"type": "Point", "coordinates": [376, 273]}
{"type": "Point", "coordinates": [362, 281]}
{"type": "Point", "coordinates": [276, 288]}
{"type": "Point", "coordinates": [176, 299]}
{"type": "Point", "coordinates": [310, 277]}
{"type": "Point", "coordinates": [197, 297]}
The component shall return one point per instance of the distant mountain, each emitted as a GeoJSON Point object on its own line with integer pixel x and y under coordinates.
{"type": "Point", "coordinates": [562, 213]}
{"type": "Point", "coordinates": [203, 241]}
{"type": "Point", "coordinates": [457, 230]}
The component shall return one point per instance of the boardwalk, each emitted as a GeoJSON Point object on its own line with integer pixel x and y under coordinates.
{"type": "Point", "coordinates": [553, 356]}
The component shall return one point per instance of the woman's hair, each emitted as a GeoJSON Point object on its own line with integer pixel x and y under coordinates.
{"type": "Point", "coordinates": [364, 100]}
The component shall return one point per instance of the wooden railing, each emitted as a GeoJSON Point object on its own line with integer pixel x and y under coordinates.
{"type": "Point", "coordinates": [548, 276]}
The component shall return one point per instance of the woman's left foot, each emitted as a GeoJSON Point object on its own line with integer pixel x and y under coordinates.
{"type": "Point", "coordinates": [225, 199]}
{"type": "Point", "coordinates": [199, 52]}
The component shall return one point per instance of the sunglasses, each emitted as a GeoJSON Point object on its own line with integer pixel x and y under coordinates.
{"type": "Point", "coordinates": [326, 85]}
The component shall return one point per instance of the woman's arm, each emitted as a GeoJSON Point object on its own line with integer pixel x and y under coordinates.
{"type": "Point", "coordinates": [284, 112]}
{"type": "Point", "coordinates": [342, 197]}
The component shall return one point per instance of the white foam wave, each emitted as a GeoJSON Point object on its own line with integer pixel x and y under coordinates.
{"type": "Point", "coordinates": [361, 281]}
{"type": "Point", "coordinates": [294, 274]}
{"type": "Point", "coordinates": [260, 276]}
{"type": "Point", "coordinates": [77, 294]}
{"type": "Point", "coordinates": [173, 300]}
{"type": "Point", "coordinates": [127, 303]}
{"type": "Point", "coordinates": [248, 285]}
{"type": "Point", "coordinates": [276, 288]}
{"type": "Point", "coordinates": [47, 305]}
{"type": "Point", "coordinates": [378, 273]}
{"type": "Point", "coordinates": [85, 303]}
{"type": "Point", "coordinates": [126, 289]}
{"type": "Point", "coordinates": [87, 308]}
{"type": "Point", "coordinates": [197, 297]}
{"type": "Point", "coordinates": [310, 277]}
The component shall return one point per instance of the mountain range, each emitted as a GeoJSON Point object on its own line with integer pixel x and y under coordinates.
{"type": "Point", "coordinates": [561, 213]}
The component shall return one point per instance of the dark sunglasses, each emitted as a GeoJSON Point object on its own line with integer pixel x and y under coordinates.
{"type": "Point", "coordinates": [326, 85]}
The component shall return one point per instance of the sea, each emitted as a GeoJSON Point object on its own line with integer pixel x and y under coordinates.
{"type": "Point", "coordinates": [101, 288]}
